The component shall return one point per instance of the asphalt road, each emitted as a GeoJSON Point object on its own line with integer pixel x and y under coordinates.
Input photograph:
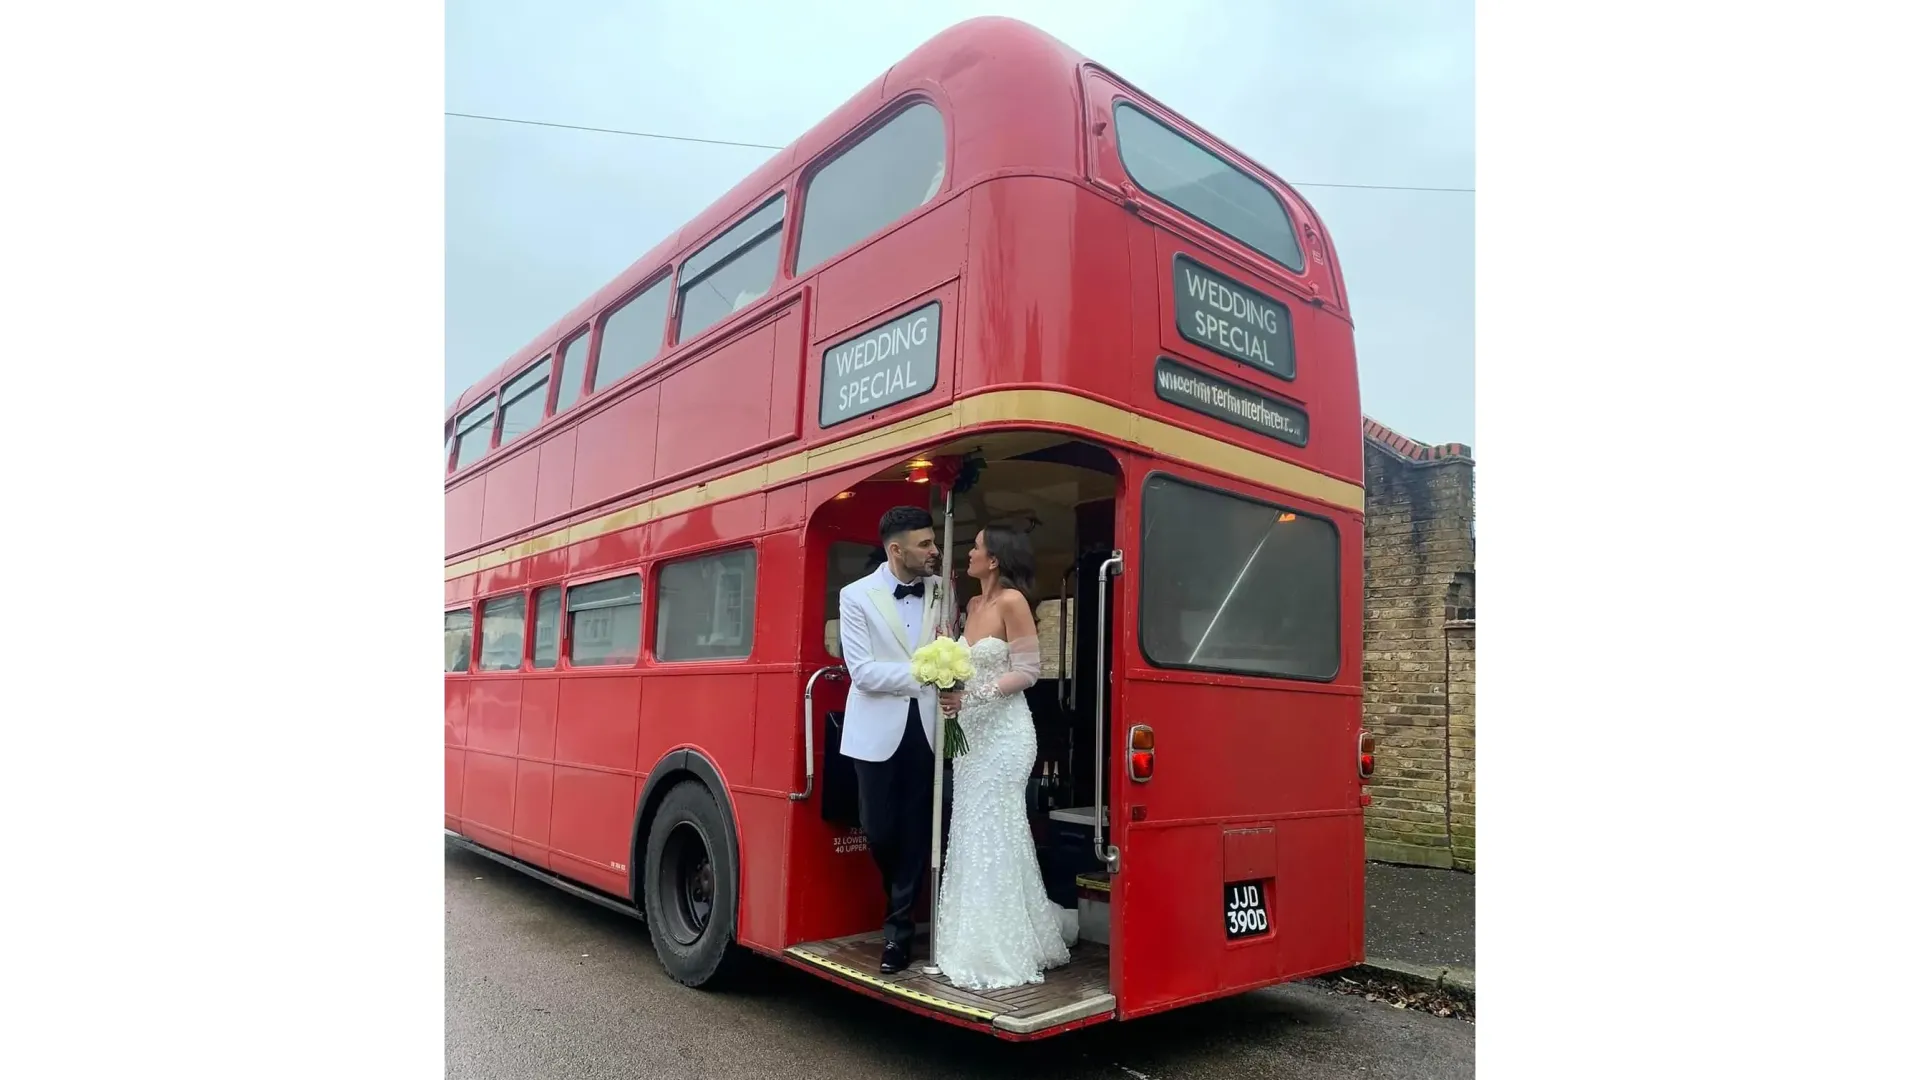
{"type": "Point", "coordinates": [540, 984]}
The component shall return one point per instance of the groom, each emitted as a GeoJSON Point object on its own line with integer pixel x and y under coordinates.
{"type": "Point", "coordinates": [888, 730]}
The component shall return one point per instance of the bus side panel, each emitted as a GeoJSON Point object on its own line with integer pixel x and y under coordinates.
{"type": "Point", "coordinates": [762, 820]}
{"type": "Point", "coordinates": [464, 502]}
{"type": "Point", "coordinates": [493, 736]}
{"type": "Point", "coordinates": [614, 451]}
{"type": "Point", "coordinates": [722, 403]}
{"type": "Point", "coordinates": [711, 712]}
{"type": "Point", "coordinates": [1039, 248]}
{"type": "Point", "coordinates": [594, 784]}
{"type": "Point", "coordinates": [553, 495]}
{"type": "Point", "coordinates": [456, 724]}
{"type": "Point", "coordinates": [533, 789]}
{"type": "Point", "coordinates": [512, 484]}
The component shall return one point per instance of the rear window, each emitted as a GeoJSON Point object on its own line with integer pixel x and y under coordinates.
{"type": "Point", "coordinates": [1230, 584]}
{"type": "Point", "coordinates": [1177, 170]}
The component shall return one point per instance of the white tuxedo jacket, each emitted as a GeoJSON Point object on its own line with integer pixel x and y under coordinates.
{"type": "Point", "coordinates": [874, 646]}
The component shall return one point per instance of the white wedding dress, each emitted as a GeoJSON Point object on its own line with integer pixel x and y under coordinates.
{"type": "Point", "coordinates": [995, 925]}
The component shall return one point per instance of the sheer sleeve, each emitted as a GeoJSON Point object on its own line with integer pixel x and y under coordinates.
{"type": "Point", "coordinates": [1024, 656]}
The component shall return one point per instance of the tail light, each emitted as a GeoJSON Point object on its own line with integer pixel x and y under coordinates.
{"type": "Point", "coordinates": [1140, 753]}
{"type": "Point", "coordinates": [1366, 757]}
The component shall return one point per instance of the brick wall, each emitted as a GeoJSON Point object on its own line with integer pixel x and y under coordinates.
{"type": "Point", "coordinates": [1419, 642]}
{"type": "Point", "coordinates": [1460, 741]}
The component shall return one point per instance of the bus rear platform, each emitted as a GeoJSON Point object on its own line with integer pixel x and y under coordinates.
{"type": "Point", "coordinates": [1074, 995]}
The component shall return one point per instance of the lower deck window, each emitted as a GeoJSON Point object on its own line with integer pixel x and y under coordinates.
{"type": "Point", "coordinates": [706, 608]}
{"type": "Point", "coordinates": [603, 622]}
{"type": "Point", "coordinates": [459, 639]}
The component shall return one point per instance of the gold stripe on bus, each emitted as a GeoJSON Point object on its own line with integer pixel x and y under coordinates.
{"type": "Point", "coordinates": [1005, 406]}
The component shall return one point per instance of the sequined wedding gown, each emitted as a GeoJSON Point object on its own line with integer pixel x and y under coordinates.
{"type": "Point", "coordinates": [996, 927]}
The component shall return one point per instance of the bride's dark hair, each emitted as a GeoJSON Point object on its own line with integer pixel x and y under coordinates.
{"type": "Point", "coordinates": [1014, 554]}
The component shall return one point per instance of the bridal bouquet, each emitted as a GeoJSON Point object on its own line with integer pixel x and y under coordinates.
{"type": "Point", "coordinates": [944, 664]}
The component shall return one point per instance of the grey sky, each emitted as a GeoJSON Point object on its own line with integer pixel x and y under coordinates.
{"type": "Point", "coordinates": [1355, 92]}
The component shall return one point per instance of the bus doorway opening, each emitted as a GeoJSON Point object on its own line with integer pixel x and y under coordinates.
{"type": "Point", "coordinates": [1062, 493]}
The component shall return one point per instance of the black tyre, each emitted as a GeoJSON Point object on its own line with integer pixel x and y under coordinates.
{"type": "Point", "coordinates": [692, 887]}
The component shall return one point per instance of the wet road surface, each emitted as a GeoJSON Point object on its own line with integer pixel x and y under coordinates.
{"type": "Point", "coordinates": [541, 984]}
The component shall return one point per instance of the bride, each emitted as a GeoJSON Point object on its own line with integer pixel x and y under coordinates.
{"type": "Point", "coordinates": [995, 925]}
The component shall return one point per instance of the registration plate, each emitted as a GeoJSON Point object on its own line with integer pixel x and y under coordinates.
{"type": "Point", "coordinates": [1246, 909]}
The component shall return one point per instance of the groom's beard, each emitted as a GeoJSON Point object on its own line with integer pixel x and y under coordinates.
{"type": "Point", "coordinates": [931, 569]}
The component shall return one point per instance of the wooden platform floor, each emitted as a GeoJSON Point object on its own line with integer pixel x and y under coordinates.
{"type": "Point", "coordinates": [1073, 992]}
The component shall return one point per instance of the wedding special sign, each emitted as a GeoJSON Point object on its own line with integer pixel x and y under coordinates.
{"type": "Point", "coordinates": [1224, 316]}
{"type": "Point", "coordinates": [897, 360]}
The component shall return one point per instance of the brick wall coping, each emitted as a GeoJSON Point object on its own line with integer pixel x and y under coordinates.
{"type": "Point", "coordinates": [1413, 450]}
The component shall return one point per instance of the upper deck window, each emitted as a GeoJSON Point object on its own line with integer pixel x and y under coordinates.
{"type": "Point", "coordinates": [1176, 169]}
{"type": "Point", "coordinates": [730, 273]}
{"type": "Point", "coordinates": [632, 336]}
{"type": "Point", "coordinates": [474, 434]}
{"type": "Point", "coordinates": [573, 371]}
{"type": "Point", "coordinates": [884, 177]}
{"type": "Point", "coordinates": [525, 401]}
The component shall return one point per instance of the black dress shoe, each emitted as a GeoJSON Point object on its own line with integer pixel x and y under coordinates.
{"type": "Point", "coordinates": [894, 958]}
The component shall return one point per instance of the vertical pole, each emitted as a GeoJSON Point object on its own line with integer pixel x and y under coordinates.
{"type": "Point", "coordinates": [943, 625]}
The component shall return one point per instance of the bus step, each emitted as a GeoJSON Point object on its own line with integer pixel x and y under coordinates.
{"type": "Point", "coordinates": [1096, 903]}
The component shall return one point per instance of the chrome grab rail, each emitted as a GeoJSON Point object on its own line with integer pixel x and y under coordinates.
{"type": "Point", "coordinates": [1108, 855]}
{"type": "Point", "coordinates": [834, 672]}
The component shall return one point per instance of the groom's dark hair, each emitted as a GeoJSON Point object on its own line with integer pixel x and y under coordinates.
{"type": "Point", "coordinates": [901, 520]}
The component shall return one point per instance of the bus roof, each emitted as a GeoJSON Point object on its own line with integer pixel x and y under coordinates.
{"type": "Point", "coordinates": [1033, 76]}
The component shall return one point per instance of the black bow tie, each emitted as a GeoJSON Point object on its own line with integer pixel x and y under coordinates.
{"type": "Point", "coordinates": [918, 588]}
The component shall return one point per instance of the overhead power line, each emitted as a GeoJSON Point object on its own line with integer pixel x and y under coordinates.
{"type": "Point", "coordinates": [615, 131]}
{"type": "Point", "coordinates": [769, 146]}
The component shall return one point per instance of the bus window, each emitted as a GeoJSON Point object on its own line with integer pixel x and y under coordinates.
{"type": "Point", "coordinates": [1194, 179]}
{"type": "Point", "coordinates": [603, 622]}
{"type": "Point", "coordinates": [881, 179]}
{"type": "Point", "coordinates": [459, 639]}
{"type": "Point", "coordinates": [633, 335]}
{"type": "Point", "coordinates": [503, 632]}
{"type": "Point", "coordinates": [847, 562]}
{"type": "Point", "coordinates": [1230, 584]}
{"type": "Point", "coordinates": [732, 272]}
{"type": "Point", "coordinates": [706, 608]}
{"type": "Point", "coordinates": [573, 372]}
{"type": "Point", "coordinates": [475, 435]}
{"type": "Point", "coordinates": [525, 401]}
{"type": "Point", "coordinates": [546, 627]}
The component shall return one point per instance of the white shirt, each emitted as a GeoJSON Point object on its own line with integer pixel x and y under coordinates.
{"type": "Point", "coordinates": [911, 607]}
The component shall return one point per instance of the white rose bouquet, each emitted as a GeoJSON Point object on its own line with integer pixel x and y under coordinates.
{"type": "Point", "coordinates": [945, 664]}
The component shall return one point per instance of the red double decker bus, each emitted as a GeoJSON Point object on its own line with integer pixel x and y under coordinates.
{"type": "Point", "coordinates": [1000, 270]}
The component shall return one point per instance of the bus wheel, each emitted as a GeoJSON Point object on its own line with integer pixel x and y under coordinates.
{"type": "Point", "coordinates": [690, 887]}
